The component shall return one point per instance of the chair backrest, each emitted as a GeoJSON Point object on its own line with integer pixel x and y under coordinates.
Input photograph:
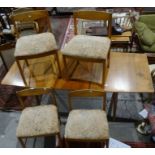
{"type": "Point", "coordinates": [93, 15]}
{"type": "Point", "coordinates": [39, 18]}
{"type": "Point", "coordinates": [86, 93]}
{"type": "Point", "coordinates": [34, 92]}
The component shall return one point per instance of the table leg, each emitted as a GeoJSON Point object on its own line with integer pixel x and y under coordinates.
{"type": "Point", "coordinates": [113, 105]}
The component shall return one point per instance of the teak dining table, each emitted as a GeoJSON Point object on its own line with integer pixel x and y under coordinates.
{"type": "Point", "coordinates": [127, 73]}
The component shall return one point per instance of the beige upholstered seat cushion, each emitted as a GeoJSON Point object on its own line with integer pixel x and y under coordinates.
{"type": "Point", "coordinates": [37, 121]}
{"type": "Point", "coordinates": [87, 47]}
{"type": "Point", "coordinates": [35, 44]}
{"type": "Point", "coordinates": [87, 125]}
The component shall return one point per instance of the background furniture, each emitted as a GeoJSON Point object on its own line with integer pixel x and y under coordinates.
{"type": "Point", "coordinates": [145, 28]}
{"type": "Point", "coordinates": [37, 45]}
{"type": "Point", "coordinates": [88, 48]}
{"type": "Point", "coordinates": [40, 120]}
{"type": "Point", "coordinates": [87, 125]}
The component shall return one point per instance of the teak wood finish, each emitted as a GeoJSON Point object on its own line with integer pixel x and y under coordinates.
{"type": "Point", "coordinates": [84, 93]}
{"type": "Point", "coordinates": [128, 73]}
{"type": "Point", "coordinates": [93, 15]}
{"type": "Point", "coordinates": [44, 76]}
{"type": "Point", "coordinates": [90, 15]}
{"type": "Point", "coordinates": [41, 17]}
{"type": "Point", "coordinates": [36, 92]}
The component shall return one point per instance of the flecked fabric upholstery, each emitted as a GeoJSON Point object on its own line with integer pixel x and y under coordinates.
{"type": "Point", "coordinates": [38, 120]}
{"type": "Point", "coordinates": [87, 47]}
{"type": "Point", "coordinates": [35, 44]}
{"type": "Point", "coordinates": [87, 125]}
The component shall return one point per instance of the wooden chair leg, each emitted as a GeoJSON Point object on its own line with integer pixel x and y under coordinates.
{"type": "Point", "coordinates": [66, 144]}
{"type": "Point", "coordinates": [108, 59]}
{"type": "Point", "coordinates": [107, 143]}
{"type": "Point", "coordinates": [66, 68]}
{"type": "Point", "coordinates": [21, 142]}
{"type": "Point", "coordinates": [28, 65]}
{"type": "Point", "coordinates": [105, 102]}
{"type": "Point", "coordinates": [59, 141]}
{"type": "Point", "coordinates": [58, 63]}
{"type": "Point", "coordinates": [21, 72]}
{"type": "Point", "coordinates": [104, 73]}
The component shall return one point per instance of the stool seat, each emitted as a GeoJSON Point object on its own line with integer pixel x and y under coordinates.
{"type": "Point", "coordinates": [87, 47]}
{"type": "Point", "coordinates": [87, 125]}
{"type": "Point", "coordinates": [38, 121]}
{"type": "Point", "coordinates": [35, 44]}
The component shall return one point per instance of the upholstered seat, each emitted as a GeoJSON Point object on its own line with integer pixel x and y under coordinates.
{"type": "Point", "coordinates": [38, 121]}
{"type": "Point", "coordinates": [87, 125]}
{"type": "Point", "coordinates": [35, 44]}
{"type": "Point", "coordinates": [88, 47]}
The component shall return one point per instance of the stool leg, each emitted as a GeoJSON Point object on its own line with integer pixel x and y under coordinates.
{"type": "Point", "coordinates": [21, 72]}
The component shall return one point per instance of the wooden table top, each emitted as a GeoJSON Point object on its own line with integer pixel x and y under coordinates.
{"type": "Point", "coordinates": [44, 77]}
{"type": "Point", "coordinates": [129, 72]}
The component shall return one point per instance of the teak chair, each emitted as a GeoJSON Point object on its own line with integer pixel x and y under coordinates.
{"type": "Point", "coordinates": [36, 45]}
{"type": "Point", "coordinates": [25, 19]}
{"type": "Point", "coordinates": [87, 125]}
{"type": "Point", "coordinates": [89, 48]}
{"type": "Point", "coordinates": [40, 120]}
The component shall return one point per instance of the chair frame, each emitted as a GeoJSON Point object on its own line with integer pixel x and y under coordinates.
{"type": "Point", "coordinates": [91, 15]}
{"type": "Point", "coordinates": [30, 16]}
{"type": "Point", "coordinates": [87, 93]}
{"type": "Point", "coordinates": [36, 92]}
